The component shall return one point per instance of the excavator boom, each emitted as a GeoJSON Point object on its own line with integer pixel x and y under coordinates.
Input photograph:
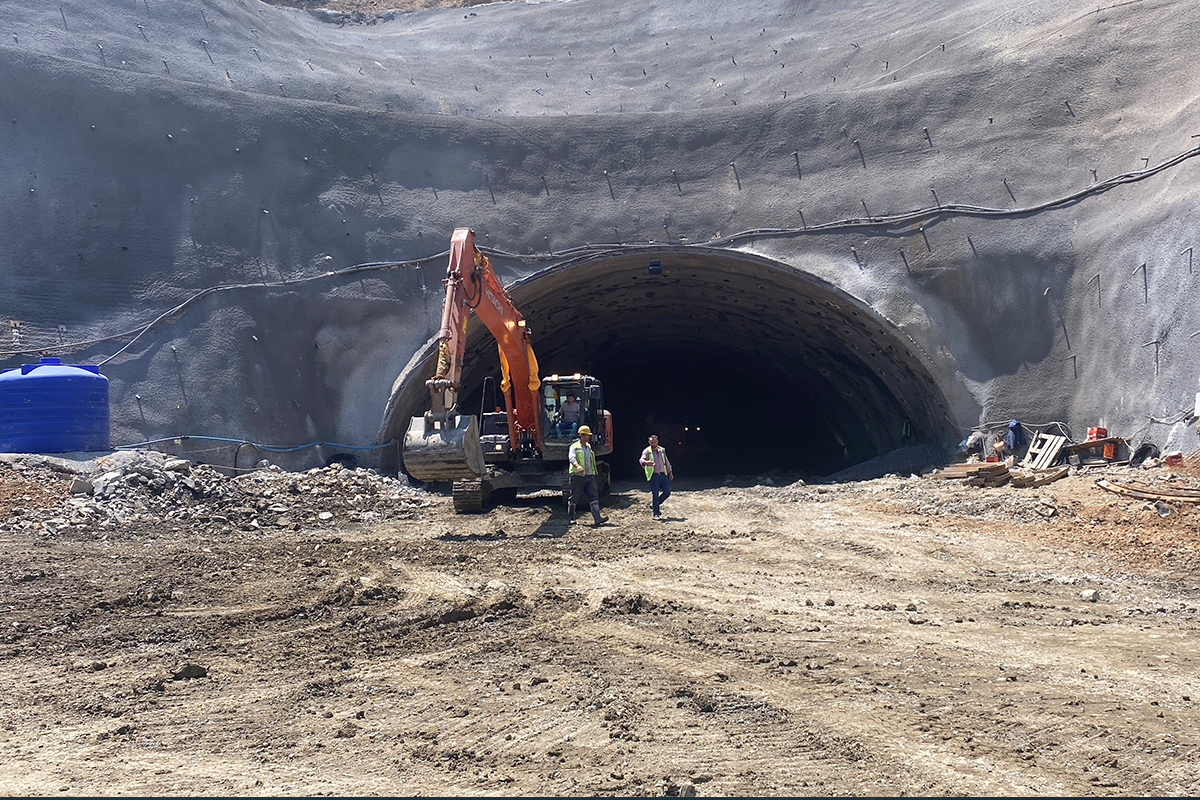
{"type": "Point", "coordinates": [443, 444]}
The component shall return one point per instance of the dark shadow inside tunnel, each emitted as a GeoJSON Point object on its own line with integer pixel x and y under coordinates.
{"type": "Point", "coordinates": [739, 364]}
{"type": "Point", "coordinates": [714, 417]}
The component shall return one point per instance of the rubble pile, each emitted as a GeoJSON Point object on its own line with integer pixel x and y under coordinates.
{"type": "Point", "coordinates": [150, 488]}
{"type": "Point", "coordinates": [993, 507]}
{"type": "Point", "coordinates": [940, 499]}
{"type": "Point", "coordinates": [919, 496]}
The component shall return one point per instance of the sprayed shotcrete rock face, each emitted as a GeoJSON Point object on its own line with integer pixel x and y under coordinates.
{"type": "Point", "coordinates": [737, 362]}
{"type": "Point", "coordinates": [154, 151]}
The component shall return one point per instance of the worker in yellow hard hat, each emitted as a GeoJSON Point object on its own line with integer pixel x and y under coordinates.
{"type": "Point", "coordinates": [581, 465]}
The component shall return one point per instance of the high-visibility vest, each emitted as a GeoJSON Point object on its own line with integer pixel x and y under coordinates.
{"type": "Point", "coordinates": [650, 467]}
{"type": "Point", "coordinates": [579, 457]}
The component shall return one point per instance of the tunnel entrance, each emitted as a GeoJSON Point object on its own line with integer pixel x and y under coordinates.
{"type": "Point", "coordinates": [738, 363]}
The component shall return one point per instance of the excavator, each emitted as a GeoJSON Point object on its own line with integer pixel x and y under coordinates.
{"type": "Point", "coordinates": [492, 457]}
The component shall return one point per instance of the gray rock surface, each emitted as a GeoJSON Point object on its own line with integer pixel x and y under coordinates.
{"type": "Point", "coordinates": [135, 487]}
{"type": "Point", "coordinates": [189, 671]}
{"type": "Point", "coordinates": [263, 148]}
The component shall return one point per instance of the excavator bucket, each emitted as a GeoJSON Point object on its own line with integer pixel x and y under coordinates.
{"type": "Point", "coordinates": [438, 451]}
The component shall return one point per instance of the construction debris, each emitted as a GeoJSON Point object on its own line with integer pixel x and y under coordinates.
{"type": "Point", "coordinates": [1026, 479]}
{"type": "Point", "coordinates": [128, 487]}
{"type": "Point", "coordinates": [991, 474]}
{"type": "Point", "coordinates": [1049, 457]}
{"type": "Point", "coordinates": [1043, 451]}
{"type": "Point", "coordinates": [971, 471]}
{"type": "Point", "coordinates": [1108, 450]}
{"type": "Point", "coordinates": [1139, 492]}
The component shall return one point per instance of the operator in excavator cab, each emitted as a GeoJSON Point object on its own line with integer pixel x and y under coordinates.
{"type": "Point", "coordinates": [568, 417]}
{"type": "Point", "coordinates": [581, 463]}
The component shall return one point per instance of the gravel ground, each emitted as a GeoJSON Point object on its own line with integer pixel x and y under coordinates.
{"type": "Point", "coordinates": [902, 635]}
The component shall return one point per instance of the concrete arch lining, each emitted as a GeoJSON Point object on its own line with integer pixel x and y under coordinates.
{"type": "Point", "coordinates": [775, 366]}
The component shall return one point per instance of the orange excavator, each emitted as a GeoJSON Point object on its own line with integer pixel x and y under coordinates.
{"type": "Point", "coordinates": [522, 448]}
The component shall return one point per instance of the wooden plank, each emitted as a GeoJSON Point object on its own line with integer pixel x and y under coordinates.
{"type": "Point", "coordinates": [1029, 478]}
{"type": "Point", "coordinates": [1140, 493]}
{"type": "Point", "coordinates": [1061, 472]}
{"type": "Point", "coordinates": [1047, 451]}
{"type": "Point", "coordinates": [968, 470]}
{"type": "Point", "coordinates": [1051, 451]}
{"type": "Point", "coordinates": [1036, 447]}
{"type": "Point", "coordinates": [1092, 444]}
{"type": "Point", "coordinates": [1023, 479]}
{"type": "Point", "coordinates": [989, 477]}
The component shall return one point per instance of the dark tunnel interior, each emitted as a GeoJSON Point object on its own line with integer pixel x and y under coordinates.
{"type": "Point", "coordinates": [710, 416]}
{"type": "Point", "coordinates": [740, 365]}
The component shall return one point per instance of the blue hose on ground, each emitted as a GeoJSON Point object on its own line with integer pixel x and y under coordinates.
{"type": "Point", "coordinates": [267, 447]}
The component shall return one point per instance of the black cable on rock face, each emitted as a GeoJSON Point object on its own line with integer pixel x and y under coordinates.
{"type": "Point", "coordinates": [565, 257]}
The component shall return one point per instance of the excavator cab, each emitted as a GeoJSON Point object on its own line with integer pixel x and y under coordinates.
{"type": "Point", "coordinates": [589, 394]}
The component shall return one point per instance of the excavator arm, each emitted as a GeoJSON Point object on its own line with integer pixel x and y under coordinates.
{"type": "Point", "coordinates": [444, 445]}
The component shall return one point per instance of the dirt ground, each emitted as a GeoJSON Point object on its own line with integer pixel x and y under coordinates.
{"type": "Point", "coordinates": [897, 636]}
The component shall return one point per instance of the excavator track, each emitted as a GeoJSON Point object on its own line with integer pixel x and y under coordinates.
{"type": "Point", "coordinates": [470, 497]}
{"type": "Point", "coordinates": [603, 478]}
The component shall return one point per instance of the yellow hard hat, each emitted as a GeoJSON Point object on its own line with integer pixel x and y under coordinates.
{"type": "Point", "coordinates": [585, 429]}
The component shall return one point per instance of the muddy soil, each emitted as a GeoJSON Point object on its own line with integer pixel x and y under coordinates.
{"type": "Point", "coordinates": [897, 636]}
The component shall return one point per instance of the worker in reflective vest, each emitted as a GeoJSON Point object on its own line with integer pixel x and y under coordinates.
{"type": "Point", "coordinates": [581, 464]}
{"type": "Point", "coordinates": [659, 473]}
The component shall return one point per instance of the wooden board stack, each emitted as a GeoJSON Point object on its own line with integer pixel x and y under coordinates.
{"type": "Point", "coordinates": [998, 474]}
{"type": "Point", "coordinates": [1031, 479]}
{"type": "Point", "coordinates": [977, 474]}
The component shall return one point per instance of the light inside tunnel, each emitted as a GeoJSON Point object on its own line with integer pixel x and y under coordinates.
{"type": "Point", "coordinates": [739, 364]}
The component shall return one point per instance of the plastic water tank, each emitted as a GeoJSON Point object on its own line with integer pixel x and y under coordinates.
{"type": "Point", "coordinates": [51, 407]}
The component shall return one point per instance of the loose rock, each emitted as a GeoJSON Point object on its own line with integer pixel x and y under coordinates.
{"type": "Point", "coordinates": [189, 672]}
{"type": "Point", "coordinates": [132, 485]}
{"type": "Point", "coordinates": [347, 731]}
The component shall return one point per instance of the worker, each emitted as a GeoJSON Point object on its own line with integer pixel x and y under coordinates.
{"type": "Point", "coordinates": [568, 417]}
{"type": "Point", "coordinates": [581, 462]}
{"type": "Point", "coordinates": [659, 472]}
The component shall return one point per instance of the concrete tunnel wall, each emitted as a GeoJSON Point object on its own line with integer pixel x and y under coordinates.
{"type": "Point", "coordinates": [780, 366]}
{"type": "Point", "coordinates": [240, 143]}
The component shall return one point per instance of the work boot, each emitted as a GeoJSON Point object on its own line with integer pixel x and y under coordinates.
{"type": "Point", "coordinates": [570, 511]}
{"type": "Point", "coordinates": [599, 520]}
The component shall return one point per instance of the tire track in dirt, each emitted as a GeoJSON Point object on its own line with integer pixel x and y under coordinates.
{"type": "Point", "coordinates": [611, 660]}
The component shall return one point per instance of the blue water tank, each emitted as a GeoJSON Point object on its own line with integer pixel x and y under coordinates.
{"type": "Point", "coordinates": [53, 407]}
